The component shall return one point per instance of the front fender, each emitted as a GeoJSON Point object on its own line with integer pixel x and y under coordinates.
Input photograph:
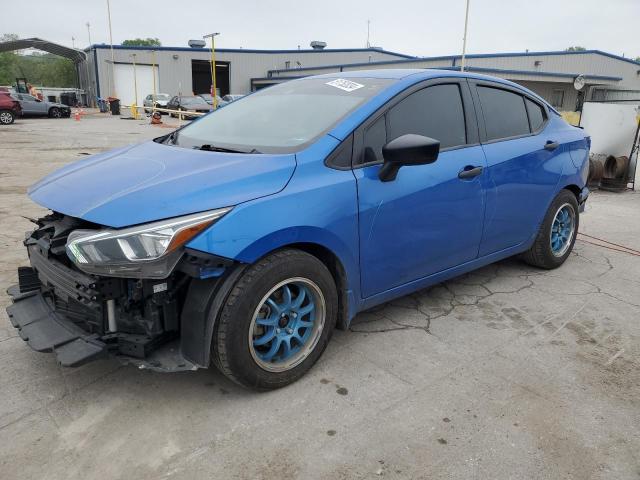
{"type": "Point", "coordinates": [319, 206]}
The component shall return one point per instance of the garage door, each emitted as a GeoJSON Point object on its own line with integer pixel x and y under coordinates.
{"type": "Point", "coordinates": [124, 82]}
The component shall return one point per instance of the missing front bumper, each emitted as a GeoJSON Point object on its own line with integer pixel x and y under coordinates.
{"type": "Point", "coordinates": [46, 330]}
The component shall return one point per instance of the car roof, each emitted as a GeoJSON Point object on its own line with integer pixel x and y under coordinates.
{"type": "Point", "coordinates": [415, 75]}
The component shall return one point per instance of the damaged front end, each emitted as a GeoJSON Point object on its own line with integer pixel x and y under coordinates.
{"type": "Point", "coordinates": [69, 308]}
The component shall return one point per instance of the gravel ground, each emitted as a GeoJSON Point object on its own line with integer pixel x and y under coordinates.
{"type": "Point", "coordinates": [507, 372]}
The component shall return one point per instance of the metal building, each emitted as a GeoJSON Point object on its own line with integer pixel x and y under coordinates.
{"type": "Point", "coordinates": [183, 70]}
{"type": "Point", "coordinates": [606, 77]}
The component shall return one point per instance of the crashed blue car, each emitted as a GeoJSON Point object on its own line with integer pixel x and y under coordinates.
{"type": "Point", "coordinates": [244, 238]}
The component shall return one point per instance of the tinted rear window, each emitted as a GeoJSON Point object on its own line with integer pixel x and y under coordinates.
{"type": "Point", "coordinates": [434, 112]}
{"type": "Point", "coordinates": [504, 113]}
{"type": "Point", "coordinates": [536, 114]}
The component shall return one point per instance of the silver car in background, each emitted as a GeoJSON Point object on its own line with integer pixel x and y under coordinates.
{"type": "Point", "coordinates": [33, 106]}
{"type": "Point", "coordinates": [161, 100]}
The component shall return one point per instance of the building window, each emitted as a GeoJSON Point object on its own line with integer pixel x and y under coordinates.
{"type": "Point", "coordinates": [599, 95]}
{"type": "Point", "coordinates": [557, 98]}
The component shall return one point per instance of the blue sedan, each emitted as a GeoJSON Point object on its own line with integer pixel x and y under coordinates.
{"type": "Point", "coordinates": [243, 239]}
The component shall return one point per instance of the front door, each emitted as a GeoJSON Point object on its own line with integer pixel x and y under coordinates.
{"type": "Point", "coordinates": [427, 219]}
{"type": "Point", "coordinates": [32, 106]}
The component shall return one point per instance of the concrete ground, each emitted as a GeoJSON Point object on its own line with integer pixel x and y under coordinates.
{"type": "Point", "coordinates": [508, 372]}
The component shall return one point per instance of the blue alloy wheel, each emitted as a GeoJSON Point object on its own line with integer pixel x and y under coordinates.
{"type": "Point", "coordinates": [562, 230]}
{"type": "Point", "coordinates": [287, 324]}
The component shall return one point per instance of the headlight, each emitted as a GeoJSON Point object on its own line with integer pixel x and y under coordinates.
{"type": "Point", "coordinates": [145, 251]}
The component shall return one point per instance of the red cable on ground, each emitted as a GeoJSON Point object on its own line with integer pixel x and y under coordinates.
{"type": "Point", "coordinates": [622, 248]}
{"type": "Point", "coordinates": [610, 243]}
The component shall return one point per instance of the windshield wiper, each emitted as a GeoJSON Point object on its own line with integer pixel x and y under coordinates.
{"type": "Point", "coordinates": [213, 148]}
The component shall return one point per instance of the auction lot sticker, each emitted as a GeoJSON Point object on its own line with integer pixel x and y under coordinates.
{"type": "Point", "coordinates": [346, 85]}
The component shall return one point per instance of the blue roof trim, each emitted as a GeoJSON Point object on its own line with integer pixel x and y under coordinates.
{"type": "Point", "coordinates": [247, 50]}
{"type": "Point", "coordinates": [456, 57]}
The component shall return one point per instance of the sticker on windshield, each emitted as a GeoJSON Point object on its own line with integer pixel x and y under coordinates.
{"type": "Point", "coordinates": [346, 85]}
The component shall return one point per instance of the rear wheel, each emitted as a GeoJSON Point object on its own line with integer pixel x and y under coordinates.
{"type": "Point", "coordinates": [557, 233]}
{"type": "Point", "coordinates": [7, 117]}
{"type": "Point", "coordinates": [277, 321]}
{"type": "Point", "coordinates": [54, 112]}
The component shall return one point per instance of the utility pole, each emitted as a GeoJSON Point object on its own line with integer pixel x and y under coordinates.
{"type": "Point", "coordinates": [73, 42]}
{"type": "Point", "coordinates": [113, 80]}
{"type": "Point", "coordinates": [464, 38]}
{"type": "Point", "coordinates": [214, 94]}
{"type": "Point", "coordinates": [368, 28]}
{"type": "Point", "coordinates": [89, 32]}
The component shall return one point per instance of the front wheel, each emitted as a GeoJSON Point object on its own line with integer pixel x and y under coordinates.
{"type": "Point", "coordinates": [557, 233]}
{"type": "Point", "coordinates": [55, 112]}
{"type": "Point", "coordinates": [277, 321]}
{"type": "Point", "coordinates": [6, 117]}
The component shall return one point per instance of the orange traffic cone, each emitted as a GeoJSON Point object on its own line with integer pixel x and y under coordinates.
{"type": "Point", "coordinates": [76, 115]}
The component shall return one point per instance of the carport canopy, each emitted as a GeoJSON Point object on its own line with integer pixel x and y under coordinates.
{"type": "Point", "coordinates": [72, 53]}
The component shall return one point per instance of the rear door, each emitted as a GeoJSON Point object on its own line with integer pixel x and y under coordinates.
{"type": "Point", "coordinates": [427, 219]}
{"type": "Point", "coordinates": [524, 164]}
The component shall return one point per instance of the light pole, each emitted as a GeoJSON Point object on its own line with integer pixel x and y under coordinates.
{"type": "Point", "coordinates": [89, 32]}
{"type": "Point", "coordinates": [464, 38]}
{"type": "Point", "coordinates": [214, 94]}
{"type": "Point", "coordinates": [113, 93]}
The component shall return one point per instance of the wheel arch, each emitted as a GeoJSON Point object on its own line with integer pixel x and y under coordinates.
{"type": "Point", "coordinates": [573, 188]}
{"type": "Point", "coordinates": [337, 270]}
{"type": "Point", "coordinates": [206, 297]}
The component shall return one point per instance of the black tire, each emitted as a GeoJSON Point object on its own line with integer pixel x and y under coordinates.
{"type": "Point", "coordinates": [231, 349]}
{"type": "Point", "coordinates": [7, 117]}
{"type": "Point", "coordinates": [54, 112]}
{"type": "Point", "coordinates": [541, 253]}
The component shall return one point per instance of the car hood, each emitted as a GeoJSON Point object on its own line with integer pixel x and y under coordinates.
{"type": "Point", "coordinates": [152, 181]}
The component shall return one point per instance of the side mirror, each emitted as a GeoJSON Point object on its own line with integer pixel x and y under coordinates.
{"type": "Point", "coordinates": [407, 150]}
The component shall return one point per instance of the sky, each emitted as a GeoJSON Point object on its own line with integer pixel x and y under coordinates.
{"type": "Point", "coordinates": [414, 27]}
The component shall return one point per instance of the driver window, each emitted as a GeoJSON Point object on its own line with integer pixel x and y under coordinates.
{"type": "Point", "coordinates": [434, 112]}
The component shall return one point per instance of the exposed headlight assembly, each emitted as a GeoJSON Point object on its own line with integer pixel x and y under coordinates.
{"type": "Point", "coordinates": [145, 251]}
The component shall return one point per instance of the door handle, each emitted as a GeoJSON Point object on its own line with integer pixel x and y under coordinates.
{"type": "Point", "coordinates": [469, 172]}
{"type": "Point", "coordinates": [551, 145]}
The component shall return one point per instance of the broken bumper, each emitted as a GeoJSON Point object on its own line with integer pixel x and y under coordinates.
{"type": "Point", "coordinates": [45, 330]}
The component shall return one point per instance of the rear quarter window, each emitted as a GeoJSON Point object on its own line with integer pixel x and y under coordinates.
{"type": "Point", "coordinates": [504, 113]}
{"type": "Point", "coordinates": [537, 115]}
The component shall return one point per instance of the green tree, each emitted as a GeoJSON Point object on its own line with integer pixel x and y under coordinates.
{"type": "Point", "coordinates": [7, 61]}
{"type": "Point", "coordinates": [142, 42]}
{"type": "Point", "coordinates": [575, 49]}
{"type": "Point", "coordinates": [39, 68]}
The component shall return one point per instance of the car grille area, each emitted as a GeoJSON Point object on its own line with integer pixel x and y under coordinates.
{"type": "Point", "coordinates": [59, 308]}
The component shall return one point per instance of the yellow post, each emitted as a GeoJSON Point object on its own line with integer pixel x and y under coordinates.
{"type": "Point", "coordinates": [213, 67]}
{"type": "Point", "coordinates": [153, 73]}
{"type": "Point", "coordinates": [135, 85]}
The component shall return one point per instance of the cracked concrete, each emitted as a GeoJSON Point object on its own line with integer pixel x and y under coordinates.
{"type": "Point", "coordinates": [506, 372]}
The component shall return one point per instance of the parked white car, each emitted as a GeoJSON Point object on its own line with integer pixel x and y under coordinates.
{"type": "Point", "coordinates": [161, 100]}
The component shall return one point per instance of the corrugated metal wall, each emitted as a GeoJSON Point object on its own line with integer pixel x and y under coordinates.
{"type": "Point", "coordinates": [174, 66]}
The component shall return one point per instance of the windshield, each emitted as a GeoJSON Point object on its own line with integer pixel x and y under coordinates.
{"type": "Point", "coordinates": [162, 96]}
{"type": "Point", "coordinates": [282, 118]}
